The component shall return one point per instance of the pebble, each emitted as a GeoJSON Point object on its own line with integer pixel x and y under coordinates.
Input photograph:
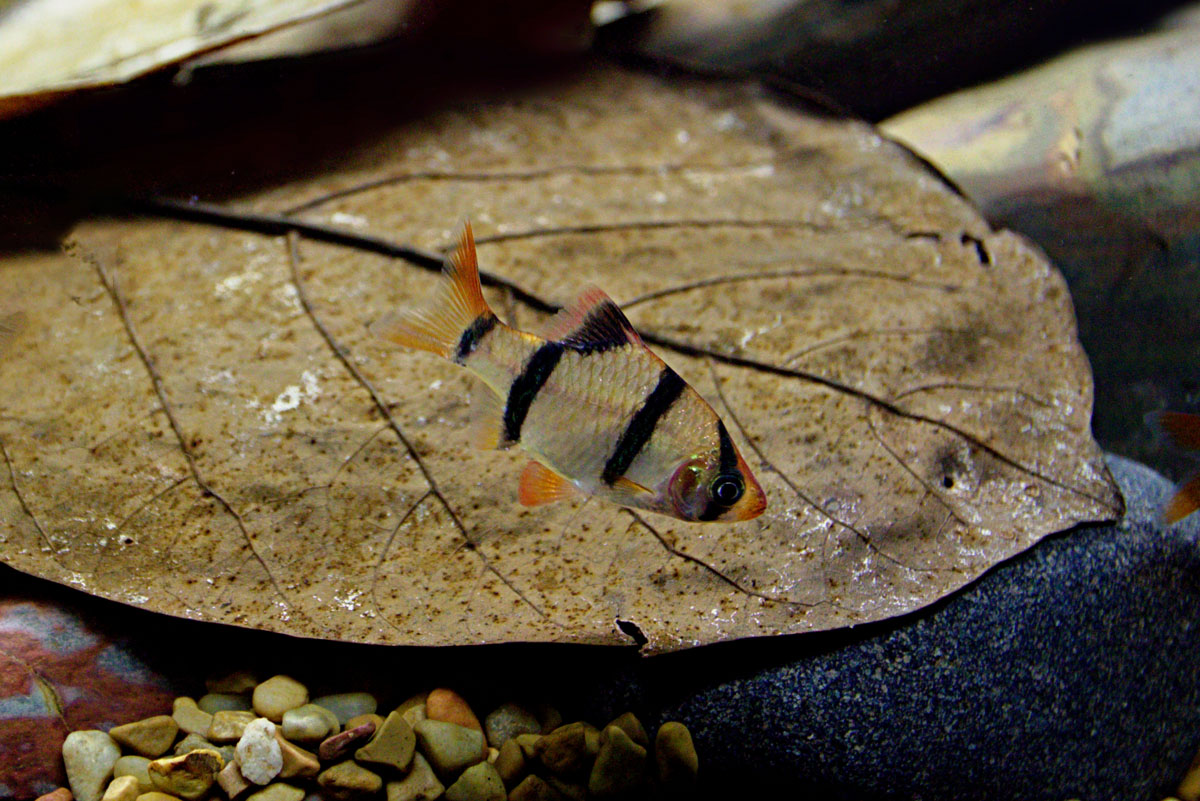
{"type": "Point", "coordinates": [677, 760]}
{"type": "Point", "coordinates": [188, 776]}
{"type": "Point", "coordinates": [277, 792]}
{"type": "Point", "coordinates": [277, 695]}
{"type": "Point", "coordinates": [309, 723]}
{"type": "Point", "coordinates": [212, 703]}
{"type": "Point", "coordinates": [369, 717]}
{"type": "Point", "coordinates": [450, 747]}
{"type": "Point", "coordinates": [135, 766]}
{"type": "Point", "coordinates": [528, 744]}
{"type": "Point", "coordinates": [258, 752]}
{"type": "Point", "coordinates": [296, 760]}
{"type": "Point", "coordinates": [240, 681]}
{"type": "Point", "coordinates": [227, 727]}
{"type": "Point", "coordinates": [449, 707]}
{"type": "Point", "coordinates": [507, 721]}
{"type": "Point", "coordinates": [89, 756]}
{"type": "Point", "coordinates": [629, 723]}
{"type": "Point", "coordinates": [150, 737]}
{"type": "Point", "coordinates": [421, 783]}
{"type": "Point", "coordinates": [122, 788]}
{"type": "Point", "coordinates": [564, 751]}
{"type": "Point", "coordinates": [620, 767]}
{"type": "Point", "coordinates": [232, 781]}
{"type": "Point", "coordinates": [347, 705]}
{"type": "Point", "coordinates": [348, 779]}
{"type": "Point", "coordinates": [570, 790]}
{"type": "Point", "coordinates": [535, 788]}
{"type": "Point", "coordinates": [156, 795]}
{"type": "Point", "coordinates": [59, 794]}
{"type": "Point", "coordinates": [1189, 785]}
{"type": "Point", "coordinates": [194, 743]}
{"type": "Point", "coordinates": [510, 762]}
{"type": "Point", "coordinates": [339, 745]}
{"type": "Point", "coordinates": [477, 783]}
{"type": "Point", "coordinates": [413, 709]}
{"type": "Point", "coordinates": [190, 717]}
{"type": "Point", "coordinates": [549, 717]}
{"type": "Point", "coordinates": [392, 745]}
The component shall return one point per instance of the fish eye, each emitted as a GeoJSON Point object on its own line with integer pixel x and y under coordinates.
{"type": "Point", "coordinates": [727, 490]}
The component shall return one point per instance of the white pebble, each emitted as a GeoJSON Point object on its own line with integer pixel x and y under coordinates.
{"type": "Point", "coordinates": [258, 752]}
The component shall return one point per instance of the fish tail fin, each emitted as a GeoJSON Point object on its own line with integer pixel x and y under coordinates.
{"type": "Point", "coordinates": [458, 306]}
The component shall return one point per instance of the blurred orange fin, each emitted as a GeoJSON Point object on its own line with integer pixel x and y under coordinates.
{"type": "Point", "coordinates": [541, 485]}
{"type": "Point", "coordinates": [1181, 428]}
{"type": "Point", "coordinates": [1185, 501]}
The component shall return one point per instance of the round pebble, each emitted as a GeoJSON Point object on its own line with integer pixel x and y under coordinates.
{"type": "Point", "coordinates": [150, 737]}
{"type": "Point", "coordinates": [277, 792]}
{"type": "Point", "coordinates": [258, 752]}
{"type": "Point", "coordinates": [477, 783]}
{"type": "Point", "coordinates": [122, 788]}
{"type": "Point", "coordinates": [676, 756]}
{"type": "Point", "coordinates": [309, 723]}
{"type": "Point", "coordinates": [339, 745]}
{"type": "Point", "coordinates": [448, 746]}
{"type": "Point", "coordinates": [629, 723]}
{"type": "Point", "coordinates": [156, 795]}
{"type": "Point", "coordinates": [392, 745]}
{"type": "Point", "coordinates": [620, 766]}
{"type": "Point", "coordinates": [450, 707]}
{"type": "Point", "coordinates": [413, 708]}
{"type": "Point", "coordinates": [348, 779]}
{"type": "Point", "coordinates": [277, 695]}
{"type": "Point", "coordinates": [89, 756]}
{"type": "Point", "coordinates": [59, 794]}
{"type": "Point", "coordinates": [564, 751]}
{"type": "Point", "coordinates": [348, 705]}
{"type": "Point", "coordinates": [240, 681]}
{"type": "Point", "coordinates": [227, 727]}
{"type": "Point", "coordinates": [369, 717]}
{"type": "Point", "coordinates": [190, 717]}
{"type": "Point", "coordinates": [212, 703]}
{"type": "Point", "coordinates": [507, 721]}
{"type": "Point", "coordinates": [135, 766]}
{"type": "Point", "coordinates": [420, 783]}
{"type": "Point", "coordinates": [188, 776]}
{"type": "Point", "coordinates": [510, 762]}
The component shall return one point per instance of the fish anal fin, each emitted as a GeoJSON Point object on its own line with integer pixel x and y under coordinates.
{"type": "Point", "coordinates": [457, 304]}
{"type": "Point", "coordinates": [541, 485]}
{"type": "Point", "coordinates": [593, 322]}
{"type": "Point", "coordinates": [631, 487]}
{"type": "Point", "coordinates": [1181, 428]}
{"type": "Point", "coordinates": [487, 420]}
{"type": "Point", "coordinates": [1185, 501]}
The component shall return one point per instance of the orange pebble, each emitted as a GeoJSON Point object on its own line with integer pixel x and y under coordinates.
{"type": "Point", "coordinates": [61, 794]}
{"type": "Point", "coordinates": [449, 707]}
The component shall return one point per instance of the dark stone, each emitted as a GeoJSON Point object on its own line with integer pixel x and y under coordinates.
{"type": "Point", "coordinates": [1067, 672]}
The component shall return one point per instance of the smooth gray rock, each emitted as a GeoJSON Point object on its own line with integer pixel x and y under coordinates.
{"type": "Point", "coordinates": [1067, 672]}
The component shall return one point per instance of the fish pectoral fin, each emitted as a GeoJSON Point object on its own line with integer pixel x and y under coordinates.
{"type": "Point", "coordinates": [541, 485]}
{"type": "Point", "coordinates": [631, 487]}
{"type": "Point", "coordinates": [593, 322]}
{"type": "Point", "coordinates": [1185, 501]}
{"type": "Point", "coordinates": [487, 420]}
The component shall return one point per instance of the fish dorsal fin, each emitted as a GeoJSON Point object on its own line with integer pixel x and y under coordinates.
{"type": "Point", "coordinates": [541, 485]}
{"type": "Point", "coordinates": [593, 322]}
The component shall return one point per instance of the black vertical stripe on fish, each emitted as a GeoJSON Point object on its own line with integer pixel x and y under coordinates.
{"type": "Point", "coordinates": [635, 436]}
{"type": "Point", "coordinates": [727, 466]}
{"type": "Point", "coordinates": [474, 334]}
{"type": "Point", "coordinates": [526, 387]}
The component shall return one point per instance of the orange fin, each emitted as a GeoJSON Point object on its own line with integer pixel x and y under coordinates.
{"type": "Point", "coordinates": [1181, 428]}
{"type": "Point", "coordinates": [540, 484]}
{"type": "Point", "coordinates": [487, 420]}
{"type": "Point", "coordinates": [592, 322]}
{"type": "Point", "coordinates": [1185, 501]}
{"type": "Point", "coordinates": [457, 304]}
{"type": "Point", "coordinates": [632, 487]}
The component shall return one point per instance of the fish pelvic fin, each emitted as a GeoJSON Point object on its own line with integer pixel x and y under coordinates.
{"type": "Point", "coordinates": [541, 485]}
{"type": "Point", "coordinates": [458, 316]}
{"type": "Point", "coordinates": [1185, 501]}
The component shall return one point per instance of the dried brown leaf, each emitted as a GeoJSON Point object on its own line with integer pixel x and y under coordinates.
{"type": "Point", "coordinates": [195, 420]}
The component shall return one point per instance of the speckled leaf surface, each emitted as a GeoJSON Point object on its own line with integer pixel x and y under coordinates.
{"type": "Point", "coordinates": [195, 419]}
